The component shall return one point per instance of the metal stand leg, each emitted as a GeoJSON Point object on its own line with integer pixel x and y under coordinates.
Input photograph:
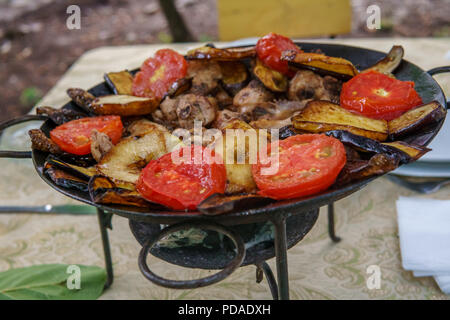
{"type": "Point", "coordinates": [281, 258]}
{"type": "Point", "coordinates": [263, 269]}
{"type": "Point", "coordinates": [331, 231]}
{"type": "Point", "coordinates": [104, 220]}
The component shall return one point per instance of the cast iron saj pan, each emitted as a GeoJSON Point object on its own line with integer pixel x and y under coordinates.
{"type": "Point", "coordinates": [292, 218]}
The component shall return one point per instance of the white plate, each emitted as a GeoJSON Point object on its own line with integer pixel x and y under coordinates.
{"type": "Point", "coordinates": [424, 169]}
{"type": "Point", "coordinates": [440, 145]}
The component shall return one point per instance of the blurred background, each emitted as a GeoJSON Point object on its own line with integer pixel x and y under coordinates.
{"type": "Point", "coordinates": [36, 47]}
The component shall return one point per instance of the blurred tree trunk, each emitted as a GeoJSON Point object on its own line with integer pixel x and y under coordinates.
{"type": "Point", "coordinates": [178, 28]}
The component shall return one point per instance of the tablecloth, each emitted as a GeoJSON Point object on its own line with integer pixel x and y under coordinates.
{"type": "Point", "coordinates": [318, 268]}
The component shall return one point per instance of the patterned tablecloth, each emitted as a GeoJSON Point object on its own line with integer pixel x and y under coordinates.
{"type": "Point", "coordinates": [318, 269]}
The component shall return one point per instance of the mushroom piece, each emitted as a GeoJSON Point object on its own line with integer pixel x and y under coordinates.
{"type": "Point", "coordinates": [100, 144]}
{"type": "Point", "coordinates": [307, 85]}
{"type": "Point", "coordinates": [205, 76]}
{"type": "Point", "coordinates": [254, 93]}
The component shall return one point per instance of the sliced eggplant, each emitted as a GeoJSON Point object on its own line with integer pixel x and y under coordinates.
{"type": "Point", "coordinates": [399, 150]}
{"type": "Point", "coordinates": [127, 158]}
{"type": "Point", "coordinates": [82, 98]}
{"type": "Point", "coordinates": [104, 190]}
{"type": "Point", "coordinates": [220, 203]}
{"type": "Point", "coordinates": [83, 173]}
{"type": "Point", "coordinates": [120, 82]}
{"type": "Point", "coordinates": [272, 79]}
{"type": "Point", "coordinates": [321, 116]}
{"type": "Point", "coordinates": [235, 76]}
{"type": "Point", "coordinates": [361, 169]}
{"type": "Point", "coordinates": [416, 119]}
{"type": "Point", "coordinates": [124, 105]}
{"type": "Point", "coordinates": [333, 66]}
{"type": "Point", "coordinates": [389, 63]}
{"type": "Point", "coordinates": [228, 54]}
{"type": "Point", "coordinates": [64, 179]}
{"type": "Point", "coordinates": [60, 116]}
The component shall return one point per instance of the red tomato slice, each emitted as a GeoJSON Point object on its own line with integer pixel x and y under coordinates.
{"type": "Point", "coordinates": [157, 74]}
{"type": "Point", "coordinates": [377, 96]}
{"type": "Point", "coordinates": [182, 185]}
{"type": "Point", "coordinates": [75, 136]}
{"type": "Point", "coordinates": [308, 164]}
{"type": "Point", "coordinates": [269, 49]}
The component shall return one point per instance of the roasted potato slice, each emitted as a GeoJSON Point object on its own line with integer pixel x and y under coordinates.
{"type": "Point", "coordinates": [272, 79]}
{"type": "Point", "coordinates": [228, 54]}
{"type": "Point", "coordinates": [235, 76]}
{"type": "Point", "coordinates": [389, 63]}
{"type": "Point", "coordinates": [415, 119]}
{"type": "Point", "coordinates": [126, 159]}
{"type": "Point", "coordinates": [120, 82]}
{"type": "Point", "coordinates": [124, 105]}
{"type": "Point", "coordinates": [321, 116]}
{"type": "Point", "coordinates": [104, 190]}
{"type": "Point", "coordinates": [334, 66]}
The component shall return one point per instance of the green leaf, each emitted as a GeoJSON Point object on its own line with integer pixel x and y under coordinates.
{"type": "Point", "coordinates": [50, 282]}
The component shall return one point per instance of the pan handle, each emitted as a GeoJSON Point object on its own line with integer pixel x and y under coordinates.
{"type": "Point", "coordinates": [11, 122]}
{"type": "Point", "coordinates": [438, 70]}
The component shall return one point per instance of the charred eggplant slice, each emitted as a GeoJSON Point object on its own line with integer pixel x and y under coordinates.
{"type": "Point", "coordinates": [321, 116]}
{"type": "Point", "coordinates": [228, 54]}
{"type": "Point", "coordinates": [272, 79]}
{"type": "Point", "coordinates": [333, 66]}
{"type": "Point", "coordinates": [389, 63]}
{"type": "Point", "coordinates": [220, 203]}
{"type": "Point", "coordinates": [120, 82]}
{"type": "Point", "coordinates": [416, 119]}
{"type": "Point", "coordinates": [180, 86]}
{"type": "Point", "coordinates": [81, 172]}
{"type": "Point", "coordinates": [235, 76]}
{"type": "Point", "coordinates": [123, 105]}
{"type": "Point", "coordinates": [413, 151]}
{"type": "Point", "coordinates": [64, 179]}
{"type": "Point", "coordinates": [103, 190]}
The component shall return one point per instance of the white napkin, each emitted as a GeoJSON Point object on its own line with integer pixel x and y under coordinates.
{"type": "Point", "coordinates": [424, 230]}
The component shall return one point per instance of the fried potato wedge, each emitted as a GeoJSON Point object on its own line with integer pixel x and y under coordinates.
{"type": "Point", "coordinates": [389, 63]}
{"type": "Point", "coordinates": [272, 79]}
{"type": "Point", "coordinates": [415, 119]}
{"type": "Point", "coordinates": [235, 76]}
{"type": "Point", "coordinates": [221, 203]}
{"type": "Point", "coordinates": [126, 159]}
{"type": "Point", "coordinates": [333, 66]}
{"type": "Point", "coordinates": [228, 54]}
{"type": "Point", "coordinates": [124, 105]}
{"type": "Point", "coordinates": [104, 190]}
{"type": "Point", "coordinates": [120, 82]}
{"type": "Point", "coordinates": [321, 116]}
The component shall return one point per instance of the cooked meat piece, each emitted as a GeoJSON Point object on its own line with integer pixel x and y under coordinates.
{"type": "Point", "coordinates": [81, 97]}
{"type": "Point", "coordinates": [333, 86]}
{"type": "Point", "coordinates": [223, 99]}
{"type": "Point", "coordinates": [307, 85]}
{"type": "Point", "coordinates": [223, 117]}
{"type": "Point", "coordinates": [205, 74]}
{"type": "Point", "coordinates": [100, 144]}
{"type": "Point", "coordinates": [40, 141]}
{"type": "Point", "coordinates": [270, 124]}
{"type": "Point", "coordinates": [168, 108]}
{"type": "Point", "coordinates": [254, 93]}
{"type": "Point", "coordinates": [193, 107]}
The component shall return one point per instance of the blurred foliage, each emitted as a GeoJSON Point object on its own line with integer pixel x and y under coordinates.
{"type": "Point", "coordinates": [30, 96]}
{"type": "Point", "coordinates": [164, 37]}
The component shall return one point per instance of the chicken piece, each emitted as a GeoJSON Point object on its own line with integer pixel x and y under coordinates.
{"type": "Point", "coordinates": [41, 142]}
{"type": "Point", "coordinates": [185, 109]}
{"type": "Point", "coordinates": [307, 85]}
{"type": "Point", "coordinates": [100, 144]}
{"type": "Point", "coordinates": [205, 74]}
{"type": "Point", "coordinates": [253, 94]}
{"type": "Point", "coordinates": [223, 117]}
{"type": "Point", "coordinates": [224, 100]}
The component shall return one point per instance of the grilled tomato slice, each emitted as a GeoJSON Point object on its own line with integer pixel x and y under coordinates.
{"type": "Point", "coordinates": [269, 49]}
{"type": "Point", "coordinates": [183, 178]}
{"type": "Point", "coordinates": [378, 96]}
{"type": "Point", "coordinates": [158, 73]}
{"type": "Point", "coordinates": [307, 164]}
{"type": "Point", "coordinates": [75, 136]}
